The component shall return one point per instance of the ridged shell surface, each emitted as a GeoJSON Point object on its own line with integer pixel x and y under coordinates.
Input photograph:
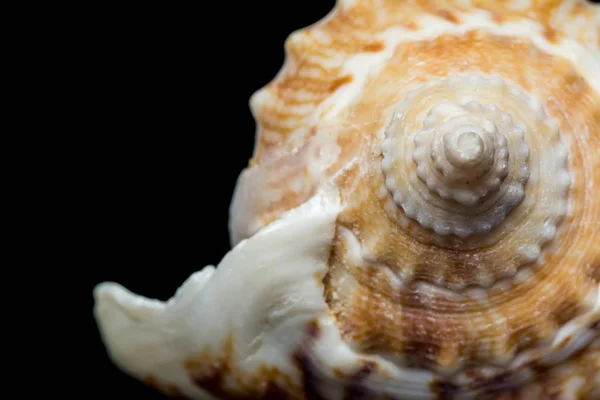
{"type": "Point", "coordinates": [441, 159]}
{"type": "Point", "coordinates": [444, 260]}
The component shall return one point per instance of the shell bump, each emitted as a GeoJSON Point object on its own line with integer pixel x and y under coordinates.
{"type": "Point", "coordinates": [420, 219]}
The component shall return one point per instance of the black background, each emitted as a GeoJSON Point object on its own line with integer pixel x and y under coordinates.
{"type": "Point", "coordinates": [168, 131]}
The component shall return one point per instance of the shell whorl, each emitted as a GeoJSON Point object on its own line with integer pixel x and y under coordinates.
{"type": "Point", "coordinates": [472, 158]}
{"type": "Point", "coordinates": [470, 154]}
{"type": "Point", "coordinates": [430, 280]}
{"type": "Point", "coordinates": [437, 298]}
{"type": "Point", "coordinates": [462, 139]}
{"type": "Point", "coordinates": [421, 218]}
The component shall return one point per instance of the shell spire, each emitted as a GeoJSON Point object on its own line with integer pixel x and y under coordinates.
{"type": "Point", "coordinates": [420, 219]}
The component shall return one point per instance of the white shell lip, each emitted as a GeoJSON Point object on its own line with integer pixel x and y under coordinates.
{"type": "Point", "coordinates": [262, 295]}
{"type": "Point", "coordinates": [265, 295]}
{"type": "Point", "coordinates": [140, 334]}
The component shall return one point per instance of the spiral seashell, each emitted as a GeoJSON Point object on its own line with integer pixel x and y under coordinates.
{"type": "Point", "coordinates": [420, 219]}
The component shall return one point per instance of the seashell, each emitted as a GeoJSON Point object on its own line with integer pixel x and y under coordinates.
{"type": "Point", "coordinates": [420, 219]}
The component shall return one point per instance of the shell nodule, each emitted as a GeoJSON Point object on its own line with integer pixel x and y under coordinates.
{"type": "Point", "coordinates": [472, 158]}
{"type": "Point", "coordinates": [420, 219]}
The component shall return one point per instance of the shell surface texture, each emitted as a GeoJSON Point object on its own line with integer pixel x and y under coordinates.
{"type": "Point", "coordinates": [420, 219]}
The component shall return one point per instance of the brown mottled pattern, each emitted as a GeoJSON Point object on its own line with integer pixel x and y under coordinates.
{"type": "Point", "coordinates": [355, 389]}
{"type": "Point", "coordinates": [566, 310]}
{"type": "Point", "coordinates": [347, 30]}
{"type": "Point", "coordinates": [437, 330]}
{"type": "Point", "coordinates": [594, 270]}
{"type": "Point", "coordinates": [444, 390]}
{"type": "Point", "coordinates": [168, 390]}
{"type": "Point", "coordinates": [315, 70]}
{"type": "Point", "coordinates": [374, 47]}
{"type": "Point", "coordinates": [546, 383]}
{"type": "Point", "coordinates": [448, 16]}
{"type": "Point", "coordinates": [212, 374]}
{"type": "Point", "coordinates": [219, 377]}
{"type": "Point", "coordinates": [575, 107]}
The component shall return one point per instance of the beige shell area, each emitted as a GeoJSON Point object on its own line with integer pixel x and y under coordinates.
{"type": "Point", "coordinates": [304, 140]}
{"type": "Point", "coordinates": [430, 326]}
{"type": "Point", "coordinates": [315, 56]}
{"type": "Point", "coordinates": [295, 112]}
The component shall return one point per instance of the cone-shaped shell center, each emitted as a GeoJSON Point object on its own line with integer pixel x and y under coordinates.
{"type": "Point", "coordinates": [467, 150]}
{"type": "Point", "coordinates": [462, 157]}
